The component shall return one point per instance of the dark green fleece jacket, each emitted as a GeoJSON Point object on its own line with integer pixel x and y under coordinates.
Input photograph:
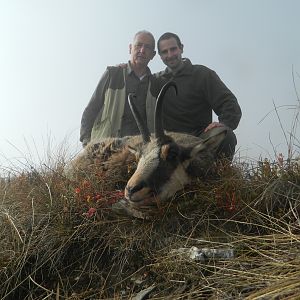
{"type": "Point", "coordinates": [200, 93]}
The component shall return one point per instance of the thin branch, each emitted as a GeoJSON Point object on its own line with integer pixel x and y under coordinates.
{"type": "Point", "coordinates": [14, 226]}
{"type": "Point", "coordinates": [40, 286]}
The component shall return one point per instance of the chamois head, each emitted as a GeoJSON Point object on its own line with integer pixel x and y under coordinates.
{"type": "Point", "coordinates": [165, 164]}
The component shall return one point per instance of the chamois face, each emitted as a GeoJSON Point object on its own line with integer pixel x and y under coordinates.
{"type": "Point", "coordinates": [167, 163]}
{"type": "Point", "coordinates": [159, 174]}
{"type": "Point", "coordinates": [165, 168]}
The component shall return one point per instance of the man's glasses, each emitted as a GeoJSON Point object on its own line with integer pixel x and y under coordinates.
{"type": "Point", "coordinates": [147, 47]}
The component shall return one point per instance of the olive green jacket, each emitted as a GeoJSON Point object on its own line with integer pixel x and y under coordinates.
{"type": "Point", "coordinates": [103, 116]}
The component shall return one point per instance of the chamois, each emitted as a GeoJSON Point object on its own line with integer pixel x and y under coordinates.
{"type": "Point", "coordinates": [166, 162]}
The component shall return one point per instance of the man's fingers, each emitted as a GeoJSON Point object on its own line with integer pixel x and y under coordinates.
{"type": "Point", "coordinates": [213, 125]}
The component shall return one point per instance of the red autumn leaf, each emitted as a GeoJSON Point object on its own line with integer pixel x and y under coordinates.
{"type": "Point", "coordinates": [91, 212]}
{"type": "Point", "coordinates": [97, 197]}
{"type": "Point", "coordinates": [77, 190]}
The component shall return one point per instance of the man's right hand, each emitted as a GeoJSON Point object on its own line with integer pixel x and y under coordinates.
{"type": "Point", "coordinates": [122, 65]}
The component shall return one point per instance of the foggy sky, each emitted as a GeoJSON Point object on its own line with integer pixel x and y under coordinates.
{"type": "Point", "coordinates": [53, 54]}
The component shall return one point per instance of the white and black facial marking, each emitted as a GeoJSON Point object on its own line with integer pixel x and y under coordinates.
{"type": "Point", "coordinates": [169, 159]}
{"type": "Point", "coordinates": [166, 167]}
{"type": "Point", "coordinates": [136, 188]}
{"type": "Point", "coordinates": [159, 169]}
{"type": "Point", "coordinates": [176, 182]}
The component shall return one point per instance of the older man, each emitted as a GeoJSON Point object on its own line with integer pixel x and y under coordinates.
{"type": "Point", "coordinates": [108, 113]}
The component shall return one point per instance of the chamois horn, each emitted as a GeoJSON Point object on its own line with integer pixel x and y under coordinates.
{"type": "Point", "coordinates": [138, 119]}
{"type": "Point", "coordinates": [158, 122]}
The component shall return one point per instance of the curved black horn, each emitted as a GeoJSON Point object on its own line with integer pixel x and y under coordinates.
{"type": "Point", "coordinates": [158, 127]}
{"type": "Point", "coordinates": [138, 119]}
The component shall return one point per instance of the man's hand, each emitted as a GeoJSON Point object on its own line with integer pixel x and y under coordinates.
{"type": "Point", "coordinates": [122, 65]}
{"type": "Point", "coordinates": [213, 125]}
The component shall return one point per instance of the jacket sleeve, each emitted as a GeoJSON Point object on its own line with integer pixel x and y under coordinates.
{"type": "Point", "coordinates": [222, 101]}
{"type": "Point", "coordinates": [93, 109]}
{"type": "Point", "coordinates": [156, 84]}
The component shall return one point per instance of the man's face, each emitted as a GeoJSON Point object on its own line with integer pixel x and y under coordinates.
{"type": "Point", "coordinates": [170, 53]}
{"type": "Point", "coordinates": [142, 49]}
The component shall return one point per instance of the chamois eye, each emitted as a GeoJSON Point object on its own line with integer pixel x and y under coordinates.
{"type": "Point", "coordinates": [173, 152]}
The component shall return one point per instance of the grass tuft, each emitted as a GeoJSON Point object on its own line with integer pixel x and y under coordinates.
{"type": "Point", "coordinates": [60, 238]}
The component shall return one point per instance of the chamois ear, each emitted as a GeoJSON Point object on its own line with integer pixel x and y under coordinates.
{"type": "Point", "coordinates": [136, 151]}
{"type": "Point", "coordinates": [212, 142]}
{"type": "Point", "coordinates": [133, 150]}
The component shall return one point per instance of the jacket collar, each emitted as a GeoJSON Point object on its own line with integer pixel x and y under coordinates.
{"type": "Point", "coordinates": [130, 70]}
{"type": "Point", "coordinates": [185, 70]}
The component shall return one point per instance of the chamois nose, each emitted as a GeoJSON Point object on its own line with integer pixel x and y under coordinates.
{"type": "Point", "coordinates": [131, 190]}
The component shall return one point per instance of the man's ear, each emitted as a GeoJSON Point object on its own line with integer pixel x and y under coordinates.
{"type": "Point", "coordinates": [181, 47]}
{"type": "Point", "coordinates": [130, 47]}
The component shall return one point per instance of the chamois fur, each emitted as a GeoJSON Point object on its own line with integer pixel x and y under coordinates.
{"type": "Point", "coordinates": [166, 161]}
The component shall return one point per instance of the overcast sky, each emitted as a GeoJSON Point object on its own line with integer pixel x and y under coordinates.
{"type": "Point", "coordinates": [53, 53]}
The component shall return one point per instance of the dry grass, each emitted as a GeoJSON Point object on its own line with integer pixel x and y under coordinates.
{"type": "Point", "coordinates": [60, 239]}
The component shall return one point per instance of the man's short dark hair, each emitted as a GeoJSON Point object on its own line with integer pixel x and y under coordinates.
{"type": "Point", "coordinates": [167, 36]}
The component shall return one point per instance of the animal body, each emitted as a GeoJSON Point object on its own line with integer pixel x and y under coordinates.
{"type": "Point", "coordinates": [166, 161]}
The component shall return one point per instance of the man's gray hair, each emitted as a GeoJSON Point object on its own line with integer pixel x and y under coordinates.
{"type": "Point", "coordinates": [145, 32]}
